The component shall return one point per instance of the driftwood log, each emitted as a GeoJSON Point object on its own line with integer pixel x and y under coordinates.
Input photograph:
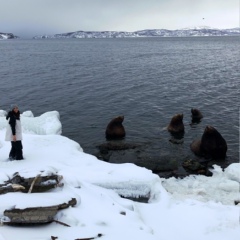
{"type": "Point", "coordinates": [35, 215]}
{"type": "Point", "coordinates": [33, 184]}
{"type": "Point", "coordinates": [90, 238]}
{"type": "Point", "coordinates": [5, 188]}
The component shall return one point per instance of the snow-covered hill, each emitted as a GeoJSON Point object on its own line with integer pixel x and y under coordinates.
{"type": "Point", "coordinates": [186, 32]}
{"type": "Point", "coordinates": [7, 36]}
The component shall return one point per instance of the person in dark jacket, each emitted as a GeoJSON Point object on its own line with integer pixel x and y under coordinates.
{"type": "Point", "coordinates": [14, 133]}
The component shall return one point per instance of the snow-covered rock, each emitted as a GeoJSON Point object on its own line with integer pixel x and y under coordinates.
{"type": "Point", "coordinates": [7, 36]}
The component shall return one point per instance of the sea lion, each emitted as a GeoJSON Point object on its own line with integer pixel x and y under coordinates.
{"type": "Point", "coordinates": [115, 129]}
{"type": "Point", "coordinates": [176, 125]}
{"type": "Point", "coordinates": [211, 145]}
{"type": "Point", "coordinates": [196, 115]}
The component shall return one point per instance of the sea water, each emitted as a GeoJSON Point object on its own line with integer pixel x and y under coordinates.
{"type": "Point", "coordinates": [148, 80]}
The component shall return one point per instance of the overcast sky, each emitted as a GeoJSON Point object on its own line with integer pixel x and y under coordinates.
{"type": "Point", "coordinates": [33, 17]}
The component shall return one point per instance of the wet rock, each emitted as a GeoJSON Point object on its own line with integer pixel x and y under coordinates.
{"type": "Point", "coordinates": [176, 140]}
{"type": "Point", "coordinates": [128, 156]}
{"type": "Point", "coordinates": [109, 146]}
{"type": "Point", "coordinates": [158, 163]}
{"type": "Point", "coordinates": [133, 153]}
{"type": "Point", "coordinates": [194, 167]}
{"type": "Point", "coordinates": [139, 154]}
{"type": "Point", "coordinates": [114, 151]}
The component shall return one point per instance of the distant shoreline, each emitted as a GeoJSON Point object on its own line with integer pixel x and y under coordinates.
{"type": "Point", "coordinates": [190, 32]}
{"type": "Point", "coordinates": [186, 32]}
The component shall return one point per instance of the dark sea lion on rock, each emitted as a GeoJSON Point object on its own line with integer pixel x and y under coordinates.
{"type": "Point", "coordinates": [115, 129]}
{"type": "Point", "coordinates": [211, 145]}
{"type": "Point", "coordinates": [176, 125]}
{"type": "Point", "coordinates": [196, 115]}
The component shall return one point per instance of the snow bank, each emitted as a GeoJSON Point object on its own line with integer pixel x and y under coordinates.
{"type": "Point", "coordinates": [46, 124]}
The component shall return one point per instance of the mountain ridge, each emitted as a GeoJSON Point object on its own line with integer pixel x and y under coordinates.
{"type": "Point", "coordinates": [186, 32]}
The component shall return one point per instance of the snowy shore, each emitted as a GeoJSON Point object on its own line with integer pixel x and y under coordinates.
{"type": "Point", "coordinates": [196, 207]}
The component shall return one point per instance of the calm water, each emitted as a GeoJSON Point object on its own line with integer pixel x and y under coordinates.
{"type": "Point", "coordinates": [148, 80]}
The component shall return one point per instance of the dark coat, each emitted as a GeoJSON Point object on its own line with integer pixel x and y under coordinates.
{"type": "Point", "coordinates": [13, 118]}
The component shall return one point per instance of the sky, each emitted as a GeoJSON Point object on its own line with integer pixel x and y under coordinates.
{"type": "Point", "coordinates": [38, 17]}
{"type": "Point", "coordinates": [196, 207]}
